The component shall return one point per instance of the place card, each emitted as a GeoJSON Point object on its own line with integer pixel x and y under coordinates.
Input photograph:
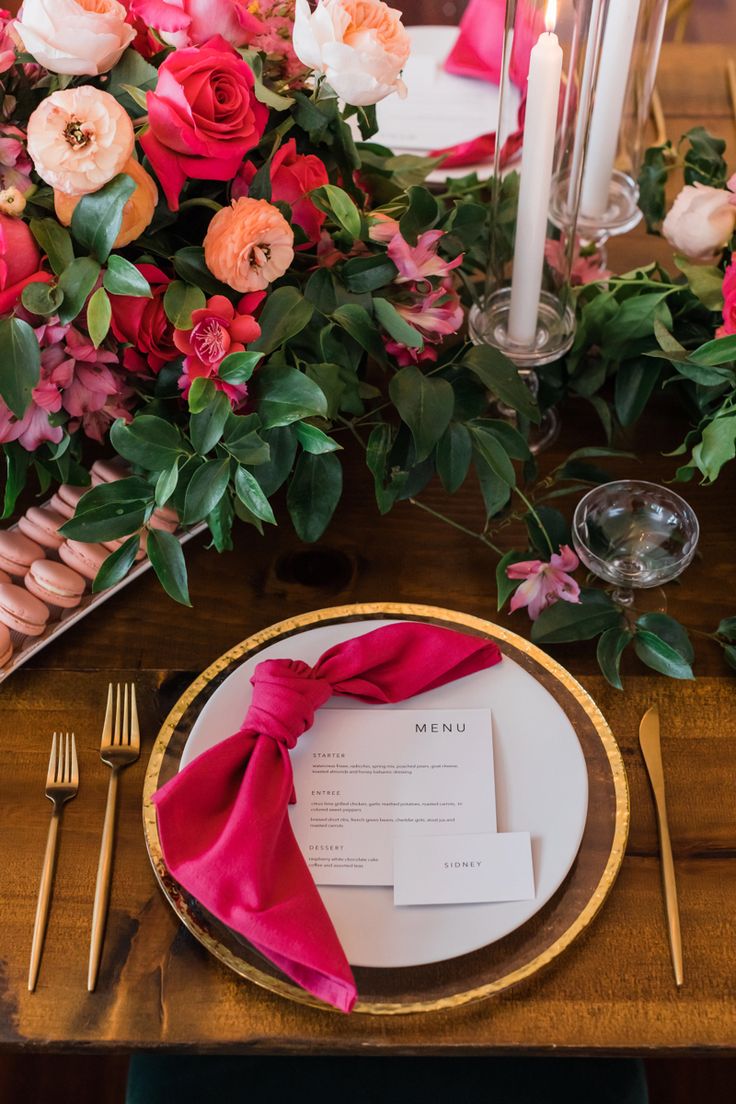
{"type": "Point", "coordinates": [456, 870]}
{"type": "Point", "coordinates": [364, 778]}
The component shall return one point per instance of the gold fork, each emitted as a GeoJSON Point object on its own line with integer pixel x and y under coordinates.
{"type": "Point", "coordinates": [62, 783]}
{"type": "Point", "coordinates": [120, 746]}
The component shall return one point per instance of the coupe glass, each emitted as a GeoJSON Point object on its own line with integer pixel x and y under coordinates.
{"type": "Point", "coordinates": [634, 535]}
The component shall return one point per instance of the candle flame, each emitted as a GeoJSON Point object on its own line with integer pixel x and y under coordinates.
{"type": "Point", "coordinates": [550, 16]}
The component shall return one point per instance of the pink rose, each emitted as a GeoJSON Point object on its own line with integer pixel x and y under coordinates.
{"type": "Point", "coordinates": [75, 37]}
{"type": "Point", "coordinates": [191, 22]}
{"type": "Point", "coordinates": [729, 302]}
{"type": "Point", "coordinates": [20, 261]}
{"type": "Point", "coordinates": [204, 117]}
{"type": "Point", "coordinates": [218, 330]}
{"type": "Point", "coordinates": [701, 221]}
{"type": "Point", "coordinates": [143, 325]}
{"type": "Point", "coordinates": [293, 176]}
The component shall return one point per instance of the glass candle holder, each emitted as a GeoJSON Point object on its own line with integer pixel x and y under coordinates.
{"type": "Point", "coordinates": [551, 51]}
{"type": "Point", "coordinates": [612, 149]}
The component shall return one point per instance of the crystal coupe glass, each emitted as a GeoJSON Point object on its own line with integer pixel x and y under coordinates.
{"type": "Point", "coordinates": [634, 535]}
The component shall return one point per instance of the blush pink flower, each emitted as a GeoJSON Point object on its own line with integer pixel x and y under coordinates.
{"type": "Point", "coordinates": [421, 261]}
{"type": "Point", "coordinates": [79, 139]}
{"type": "Point", "coordinates": [384, 228]}
{"type": "Point", "coordinates": [701, 221]}
{"type": "Point", "coordinates": [729, 302]}
{"type": "Point", "coordinates": [544, 583]}
{"type": "Point", "coordinates": [75, 37]}
{"type": "Point", "coordinates": [218, 330]}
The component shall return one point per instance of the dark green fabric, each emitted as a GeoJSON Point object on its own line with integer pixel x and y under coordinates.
{"type": "Point", "coordinates": [186, 1079]}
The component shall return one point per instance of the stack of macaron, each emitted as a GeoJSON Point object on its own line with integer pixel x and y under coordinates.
{"type": "Point", "coordinates": [34, 585]}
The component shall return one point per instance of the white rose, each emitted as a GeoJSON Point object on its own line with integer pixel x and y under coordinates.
{"type": "Point", "coordinates": [701, 222]}
{"type": "Point", "coordinates": [359, 46]}
{"type": "Point", "coordinates": [74, 37]}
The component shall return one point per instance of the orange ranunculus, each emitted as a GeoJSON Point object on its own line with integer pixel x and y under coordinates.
{"type": "Point", "coordinates": [137, 213]}
{"type": "Point", "coordinates": [249, 244]}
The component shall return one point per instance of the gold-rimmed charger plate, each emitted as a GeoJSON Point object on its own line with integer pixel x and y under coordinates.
{"type": "Point", "coordinates": [491, 968]}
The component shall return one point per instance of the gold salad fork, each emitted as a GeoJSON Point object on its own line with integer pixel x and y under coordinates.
{"type": "Point", "coordinates": [62, 783]}
{"type": "Point", "coordinates": [120, 746]}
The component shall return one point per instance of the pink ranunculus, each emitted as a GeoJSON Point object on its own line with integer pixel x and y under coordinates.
{"type": "Point", "coordinates": [729, 300]}
{"type": "Point", "coordinates": [142, 324]}
{"type": "Point", "coordinates": [544, 583]}
{"type": "Point", "coordinates": [20, 261]}
{"type": "Point", "coordinates": [192, 22]}
{"type": "Point", "coordinates": [436, 314]}
{"type": "Point", "coordinates": [701, 221]}
{"type": "Point", "coordinates": [218, 330]}
{"type": "Point", "coordinates": [203, 115]}
{"type": "Point", "coordinates": [421, 261]}
{"type": "Point", "coordinates": [293, 176]}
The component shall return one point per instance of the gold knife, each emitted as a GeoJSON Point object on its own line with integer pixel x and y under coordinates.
{"type": "Point", "coordinates": [651, 750]}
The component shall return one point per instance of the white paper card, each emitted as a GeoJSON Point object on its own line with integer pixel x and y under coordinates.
{"type": "Point", "coordinates": [365, 777]}
{"type": "Point", "coordinates": [451, 870]}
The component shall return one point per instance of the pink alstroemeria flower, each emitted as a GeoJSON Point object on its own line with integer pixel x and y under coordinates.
{"type": "Point", "coordinates": [544, 583]}
{"type": "Point", "coordinates": [438, 314]}
{"type": "Point", "coordinates": [421, 261]}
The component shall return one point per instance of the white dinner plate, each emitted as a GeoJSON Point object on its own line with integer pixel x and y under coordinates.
{"type": "Point", "coordinates": [541, 788]}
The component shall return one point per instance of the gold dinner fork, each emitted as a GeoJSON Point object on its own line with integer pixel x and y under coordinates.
{"type": "Point", "coordinates": [62, 783]}
{"type": "Point", "coordinates": [120, 746]}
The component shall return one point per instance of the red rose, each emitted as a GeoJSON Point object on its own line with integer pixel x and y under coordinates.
{"type": "Point", "coordinates": [293, 176]}
{"type": "Point", "coordinates": [143, 324]}
{"type": "Point", "coordinates": [729, 302]}
{"type": "Point", "coordinates": [203, 115]}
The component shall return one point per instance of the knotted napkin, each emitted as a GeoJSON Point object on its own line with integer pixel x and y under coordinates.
{"type": "Point", "coordinates": [223, 820]}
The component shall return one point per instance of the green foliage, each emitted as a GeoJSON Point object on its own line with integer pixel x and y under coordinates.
{"type": "Point", "coordinates": [20, 363]}
{"type": "Point", "coordinates": [98, 216]}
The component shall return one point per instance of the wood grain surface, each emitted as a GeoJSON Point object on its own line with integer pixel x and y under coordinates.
{"type": "Point", "coordinates": [613, 991]}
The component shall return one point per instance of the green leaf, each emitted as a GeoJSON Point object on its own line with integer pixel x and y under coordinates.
{"type": "Point", "coordinates": [454, 450]}
{"type": "Point", "coordinates": [496, 492]}
{"type": "Point", "coordinates": [201, 394]}
{"type": "Point", "coordinates": [335, 201]}
{"type": "Point", "coordinates": [108, 521]}
{"type": "Point", "coordinates": [117, 565]}
{"type": "Point", "coordinates": [55, 241]}
{"type": "Point", "coordinates": [42, 298]}
{"type": "Point", "coordinates": [287, 395]}
{"type": "Point", "coordinates": [150, 441]}
{"type": "Point", "coordinates": [420, 215]}
{"type": "Point", "coordinates": [717, 447]}
{"type": "Point", "coordinates": [248, 490]}
{"type": "Point", "coordinates": [167, 560]}
{"type": "Point", "coordinates": [282, 444]}
{"type": "Point", "coordinates": [609, 651]}
{"type": "Point", "coordinates": [669, 630]}
{"type": "Point", "coordinates": [567, 621]}
{"type": "Point", "coordinates": [180, 300]}
{"type": "Point", "coordinates": [705, 281]}
{"type": "Point", "coordinates": [395, 326]}
{"type": "Point", "coordinates": [243, 440]}
{"type": "Point", "coordinates": [635, 381]}
{"type": "Point", "coordinates": [98, 216]}
{"type": "Point", "coordinates": [132, 69]}
{"type": "Point", "coordinates": [238, 368]}
{"type": "Point", "coordinates": [505, 587]}
{"type": "Point", "coordinates": [99, 317]}
{"type": "Point", "coordinates": [722, 350]}
{"type": "Point", "coordinates": [494, 454]}
{"type": "Point", "coordinates": [380, 443]}
{"type": "Point", "coordinates": [595, 452]}
{"type": "Point", "coordinates": [206, 488]}
{"type": "Point", "coordinates": [425, 403]}
{"type": "Point", "coordinates": [313, 494]}
{"type": "Point", "coordinates": [190, 266]}
{"type": "Point", "coordinates": [16, 468]}
{"type": "Point", "coordinates": [727, 628]}
{"type": "Point", "coordinates": [652, 183]}
{"type": "Point", "coordinates": [285, 314]}
{"type": "Point", "coordinates": [634, 319]}
{"type": "Point", "coordinates": [501, 377]}
{"type": "Point", "coordinates": [20, 364]}
{"type": "Point", "coordinates": [123, 278]}
{"type": "Point", "coordinates": [555, 525]}
{"type": "Point", "coordinates": [729, 654]}
{"type": "Point", "coordinates": [356, 321]}
{"type": "Point", "coordinates": [220, 524]}
{"type": "Point", "coordinates": [314, 440]}
{"type": "Point", "coordinates": [166, 484]}
{"type": "Point", "coordinates": [660, 656]}
{"type": "Point", "coordinates": [77, 282]}
{"type": "Point", "coordinates": [206, 427]}
{"type": "Point", "coordinates": [366, 274]}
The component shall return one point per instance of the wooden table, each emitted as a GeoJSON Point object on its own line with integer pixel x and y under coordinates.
{"type": "Point", "coordinates": [611, 992]}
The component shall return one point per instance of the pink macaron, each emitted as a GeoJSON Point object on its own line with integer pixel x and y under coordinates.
{"type": "Point", "coordinates": [6, 645]}
{"type": "Point", "coordinates": [42, 525]}
{"type": "Point", "coordinates": [66, 499]}
{"type": "Point", "coordinates": [107, 471]}
{"type": "Point", "coordinates": [55, 584]}
{"type": "Point", "coordinates": [4, 577]}
{"type": "Point", "coordinates": [21, 611]}
{"type": "Point", "coordinates": [17, 552]}
{"type": "Point", "coordinates": [163, 517]}
{"type": "Point", "coordinates": [85, 558]}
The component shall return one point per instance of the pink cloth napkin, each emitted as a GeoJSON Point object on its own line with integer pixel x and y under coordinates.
{"type": "Point", "coordinates": [478, 52]}
{"type": "Point", "coordinates": [223, 820]}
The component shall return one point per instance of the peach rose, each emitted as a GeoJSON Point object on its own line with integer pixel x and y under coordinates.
{"type": "Point", "coordinates": [79, 139]}
{"type": "Point", "coordinates": [359, 46]}
{"type": "Point", "coordinates": [137, 212]}
{"type": "Point", "coordinates": [249, 244]}
{"type": "Point", "coordinates": [701, 221]}
{"type": "Point", "coordinates": [75, 37]}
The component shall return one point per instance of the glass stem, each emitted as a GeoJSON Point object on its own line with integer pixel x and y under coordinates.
{"type": "Point", "coordinates": [623, 596]}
